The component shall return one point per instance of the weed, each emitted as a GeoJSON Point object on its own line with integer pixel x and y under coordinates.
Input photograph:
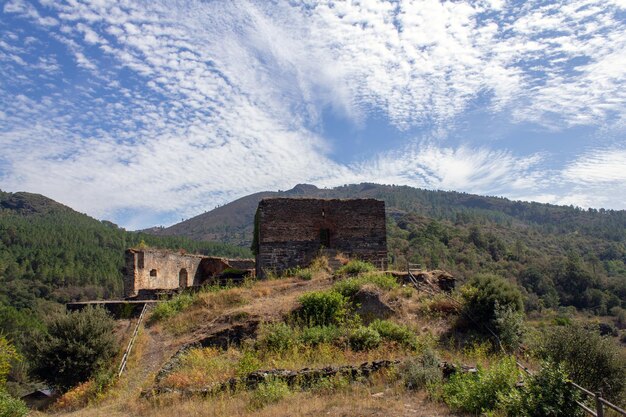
{"type": "Point", "coordinates": [276, 337]}
{"type": "Point", "coordinates": [169, 308]}
{"type": "Point", "coordinates": [355, 267]}
{"type": "Point", "coordinates": [420, 372]}
{"type": "Point", "coordinates": [364, 338]}
{"type": "Point", "coordinates": [350, 286]}
{"type": "Point", "coordinates": [322, 308]}
{"type": "Point", "coordinates": [391, 331]}
{"type": "Point", "coordinates": [479, 392]}
{"type": "Point", "coordinates": [269, 392]}
{"type": "Point", "coordinates": [316, 335]}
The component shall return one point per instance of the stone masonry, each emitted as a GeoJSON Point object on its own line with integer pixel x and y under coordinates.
{"type": "Point", "coordinates": [290, 232]}
{"type": "Point", "coordinates": [154, 270]}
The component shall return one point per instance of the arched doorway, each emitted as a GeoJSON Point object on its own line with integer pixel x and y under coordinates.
{"type": "Point", "coordinates": [182, 278]}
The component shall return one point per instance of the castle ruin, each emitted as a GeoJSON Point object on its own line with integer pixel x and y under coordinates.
{"type": "Point", "coordinates": [150, 271]}
{"type": "Point", "coordinates": [290, 232]}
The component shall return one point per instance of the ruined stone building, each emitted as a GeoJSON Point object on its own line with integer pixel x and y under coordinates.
{"type": "Point", "coordinates": [150, 271]}
{"type": "Point", "coordinates": [290, 232]}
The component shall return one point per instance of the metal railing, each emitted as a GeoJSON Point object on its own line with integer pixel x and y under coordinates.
{"type": "Point", "coordinates": [131, 342]}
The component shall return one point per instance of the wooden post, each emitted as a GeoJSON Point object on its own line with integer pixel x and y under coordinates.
{"type": "Point", "coordinates": [599, 411]}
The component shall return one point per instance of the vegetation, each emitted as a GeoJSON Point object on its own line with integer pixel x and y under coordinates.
{"type": "Point", "coordinates": [322, 308]}
{"type": "Point", "coordinates": [422, 371]}
{"type": "Point", "coordinates": [76, 345]}
{"type": "Point", "coordinates": [11, 407]}
{"type": "Point", "coordinates": [350, 286]}
{"type": "Point", "coordinates": [593, 361]}
{"type": "Point", "coordinates": [355, 267]}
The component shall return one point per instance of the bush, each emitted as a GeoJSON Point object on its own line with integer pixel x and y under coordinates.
{"type": "Point", "coordinates": [316, 335]}
{"type": "Point", "coordinates": [545, 394]}
{"type": "Point", "coordinates": [364, 338]}
{"type": "Point", "coordinates": [479, 392]}
{"type": "Point", "coordinates": [591, 360]}
{"type": "Point", "coordinates": [484, 294]}
{"type": "Point", "coordinates": [304, 274]}
{"type": "Point", "coordinates": [268, 392]}
{"type": "Point", "coordinates": [276, 337]}
{"type": "Point", "coordinates": [170, 308]}
{"type": "Point", "coordinates": [420, 372]}
{"type": "Point", "coordinates": [11, 407]}
{"type": "Point", "coordinates": [8, 354]}
{"type": "Point", "coordinates": [322, 308]}
{"type": "Point", "coordinates": [77, 344]}
{"type": "Point", "coordinates": [509, 326]}
{"type": "Point", "coordinates": [356, 267]}
{"type": "Point", "coordinates": [350, 286]}
{"type": "Point", "coordinates": [391, 331]}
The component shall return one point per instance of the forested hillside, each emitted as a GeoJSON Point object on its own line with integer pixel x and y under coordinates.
{"type": "Point", "coordinates": [51, 254]}
{"type": "Point", "coordinates": [560, 255]}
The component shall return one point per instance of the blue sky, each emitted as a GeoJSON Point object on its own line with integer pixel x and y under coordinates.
{"type": "Point", "coordinates": [146, 112]}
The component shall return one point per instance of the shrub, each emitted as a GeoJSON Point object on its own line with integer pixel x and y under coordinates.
{"type": "Point", "coordinates": [322, 308]}
{"type": "Point", "coordinates": [268, 392]}
{"type": "Point", "coordinates": [170, 308]}
{"type": "Point", "coordinates": [484, 293]}
{"type": "Point", "coordinates": [77, 344]}
{"type": "Point", "coordinates": [350, 286]}
{"type": "Point", "coordinates": [304, 274]}
{"type": "Point", "coordinates": [276, 337]}
{"type": "Point", "coordinates": [356, 267]}
{"type": "Point", "coordinates": [11, 407]}
{"type": "Point", "coordinates": [8, 354]}
{"type": "Point", "coordinates": [394, 332]}
{"type": "Point", "coordinates": [545, 394]}
{"type": "Point", "coordinates": [247, 363]}
{"type": "Point", "coordinates": [316, 335]}
{"type": "Point", "coordinates": [479, 392]}
{"type": "Point", "coordinates": [509, 326]}
{"type": "Point", "coordinates": [421, 372]}
{"type": "Point", "coordinates": [591, 360]}
{"type": "Point", "coordinates": [364, 338]}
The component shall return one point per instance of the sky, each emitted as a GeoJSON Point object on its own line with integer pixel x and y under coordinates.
{"type": "Point", "coordinates": [148, 112]}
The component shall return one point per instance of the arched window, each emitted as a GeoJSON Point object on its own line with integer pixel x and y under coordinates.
{"type": "Point", "coordinates": [182, 278]}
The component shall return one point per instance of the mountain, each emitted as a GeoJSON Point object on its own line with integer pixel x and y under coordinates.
{"type": "Point", "coordinates": [51, 254]}
{"type": "Point", "coordinates": [233, 222]}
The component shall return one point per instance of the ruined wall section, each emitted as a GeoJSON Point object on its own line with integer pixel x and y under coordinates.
{"type": "Point", "coordinates": [292, 231]}
{"type": "Point", "coordinates": [152, 269]}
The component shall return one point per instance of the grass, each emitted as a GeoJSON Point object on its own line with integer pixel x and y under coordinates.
{"type": "Point", "coordinates": [356, 267]}
{"type": "Point", "coordinates": [350, 286]}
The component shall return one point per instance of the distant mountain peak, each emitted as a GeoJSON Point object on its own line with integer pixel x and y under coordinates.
{"type": "Point", "coordinates": [303, 189]}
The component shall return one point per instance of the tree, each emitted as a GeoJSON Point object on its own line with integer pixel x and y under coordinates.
{"type": "Point", "coordinates": [590, 359]}
{"type": "Point", "coordinates": [76, 345]}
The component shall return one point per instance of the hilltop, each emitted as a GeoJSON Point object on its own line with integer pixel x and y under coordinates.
{"type": "Point", "coordinates": [233, 222]}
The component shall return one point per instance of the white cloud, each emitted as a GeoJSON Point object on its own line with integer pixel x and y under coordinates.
{"type": "Point", "coordinates": [219, 99]}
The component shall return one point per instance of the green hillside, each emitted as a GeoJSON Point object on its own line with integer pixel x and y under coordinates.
{"type": "Point", "coordinates": [51, 254]}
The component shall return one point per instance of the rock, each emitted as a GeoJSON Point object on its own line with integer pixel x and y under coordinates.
{"type": "Point", "coordinates": [370, 306]}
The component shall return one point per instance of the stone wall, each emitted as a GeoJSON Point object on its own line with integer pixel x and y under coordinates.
{"type": "Point", "coordinates": [291, 231]}
{"type": "Point", "coordinates": [153, 270]}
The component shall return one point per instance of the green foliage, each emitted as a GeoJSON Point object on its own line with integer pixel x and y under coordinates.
{"type": "Point", "coordinates": [321, 308]}
{"type": "Point", "coordinates": [276, 337]}
{"type": "Point", "coordinates": [394, 332]}
{"type": "Point", "coordinates": [171, 307]}
{"type": "Point", "coordinates": [8, 354]}
{"type": "Point", "coordinates": [76, 344]}
{"type": "Point", "coordinates": [544, 394]}
{"type": "Point", "coordinates": [364, 338]}
{"type": "Point", "coordinates": [422, 371]}
{"type": "Point", "coordinates": [317, 335]}
{"type": "Point", "coordinates": [355, 267]}
{"type": "Point", "coordinates": [269, 392]}
{"type": "Point", "coordinates": [479, 392]}
{"type": "Point", "coordinates": [509, 326]}
{"type": "Point", "coordinates": [350, 286]}
{"type": "Point", "coordinates": [591, 360]}
{"type": "Point", "coordinates": [496, 303]}
{"type": "Point", "coordinates": [11, 407]}
{"type": "Point", "coordinates": [247, 363]}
